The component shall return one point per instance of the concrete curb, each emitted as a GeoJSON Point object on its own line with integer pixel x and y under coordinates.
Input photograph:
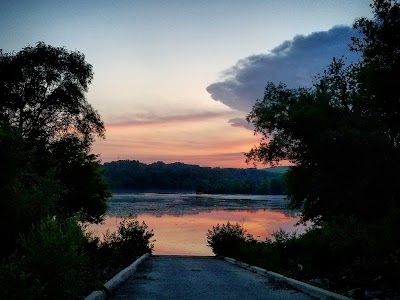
{"type": "Point", "coordinates": [304, 287]}
{"type": "Point", "coordinates": [111, 285]}
{"type": "Point", "coordinates": [96, 295]}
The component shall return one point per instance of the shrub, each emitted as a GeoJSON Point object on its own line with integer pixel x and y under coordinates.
{"type": "Point", "coordinates": [120, 248]}
{"type": "Point", "coordinates": [50, 263]}
{"type": "Point", "coordinates": [58, 260]}
{"type": "Point", "coordinates": [345, 252]}
{"type": "Point", "coordinates": [17, 283]}
{"type": "Point", "coordinates": [131, 237]}
{"type": "Point", "coordinates": [227, 239]}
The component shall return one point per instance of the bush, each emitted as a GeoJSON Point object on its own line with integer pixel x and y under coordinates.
{"type": "Point", "coordinates": [118, 249]}
{"type": "Point", "coordinates": [50, 264]}
{"type": "Point", "coordinates": [227, 239]}
{"type": "Point", "coordinates": [131, 238]}
{"type": "Point", "coordinates": [345, 252]}
{"type": "Point", "coordinates": [58, 260]}
{"type": "Point", "coordinates": [55, 253]}
{"type": "Point", "coordinates": [17, 283]}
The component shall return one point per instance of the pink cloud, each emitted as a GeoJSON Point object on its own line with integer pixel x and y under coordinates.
{"type": "Point", "coordinates": [134, 121]}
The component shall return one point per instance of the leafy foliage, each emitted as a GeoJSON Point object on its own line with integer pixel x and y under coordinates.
{"type": "Point", "coordinates": [46, 130]}
{"type": "Point", "coordinates": [54, 253]}
{"type": "Point", "coordinates": [51, 263]}
{"type": "Point", "coordinates": [18, 283]}
{"type": "Point", "coordinates": [130, 236]}
{"type": "Point", "coordinates": [49, 180]}
{"type": "Point", "coordinates": [25, 195]}
{"type": "Point", "coordinates": [133, 175]}
{"type": "Point", "coordinates": [57, 259]}
{"type": "Point", "coordinates": [131, 240]}
{"type": "Point", "coordinates": [344, 252]}
{"type": "Point", "coordinates": [342, 134]}
{"type": "Point", "coordinates": [379, 69]}
{"type": "Point", "coordinates": [85, 190]}
{"type": "Point", "coordinates": [227, 239]}
{"type": "Point", "coordinates": [42, 94]}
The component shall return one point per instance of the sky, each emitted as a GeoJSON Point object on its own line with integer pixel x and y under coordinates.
{"type": "Point", "coordinates": [174, 80]}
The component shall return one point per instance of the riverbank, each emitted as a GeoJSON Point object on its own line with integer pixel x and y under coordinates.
{"type": "Point", "coordinates": [347, 257]}
{"type": "Point", "coordinates": [181, 221]}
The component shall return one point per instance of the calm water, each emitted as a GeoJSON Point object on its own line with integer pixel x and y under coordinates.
{"type": "Point", "coordinates": [180, 221]}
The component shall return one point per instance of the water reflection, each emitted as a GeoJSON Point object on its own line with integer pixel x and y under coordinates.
{"type": "Point", "coordinates": [182, 204]}
{"type": "Point", "coordinates": [181, 221]}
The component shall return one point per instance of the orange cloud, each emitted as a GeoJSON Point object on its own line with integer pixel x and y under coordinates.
{"type": "Point", "coordinates": [206, 140]}
{"type": "Point", "coordinates": [174, 119]}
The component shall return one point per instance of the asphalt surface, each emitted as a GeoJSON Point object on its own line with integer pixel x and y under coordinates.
{"type": "Point", "coordinates": [189, 277]}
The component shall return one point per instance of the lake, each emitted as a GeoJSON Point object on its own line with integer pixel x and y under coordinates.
{"type": "Point", "coordinates": [180, 220]}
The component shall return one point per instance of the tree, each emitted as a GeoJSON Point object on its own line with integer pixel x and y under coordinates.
{"type": "Point", "coordinates": [26, 195]}
{"type": "Point", "coordinates": [379, 70]}
{"type": "Point", "coordinates": [341, 134]}
{"type": "Point", "coordinates": [46, 130]}
{"type": "Point", "coordinates": [85, 190]}
{"type": "Point", "coordinates": [42, 94]}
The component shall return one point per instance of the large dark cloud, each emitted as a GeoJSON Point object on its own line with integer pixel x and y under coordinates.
{"type": "Point", "coordinates": [294, 63]}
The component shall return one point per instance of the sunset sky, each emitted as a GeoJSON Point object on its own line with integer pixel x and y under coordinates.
{"type": "Point", "coordinates": [174, 79]}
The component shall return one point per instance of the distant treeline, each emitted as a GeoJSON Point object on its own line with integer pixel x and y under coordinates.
{"type": "Point", "coordinates": [134, 175]}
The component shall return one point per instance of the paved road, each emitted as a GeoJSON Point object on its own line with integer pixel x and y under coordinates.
{"type": "Point", "coordinates": [184, 277]}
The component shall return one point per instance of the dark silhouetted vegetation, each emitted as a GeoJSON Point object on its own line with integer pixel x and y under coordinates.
{"type": "Point", "coordinates": [342, 135]}
{"type": "Point", "coordinates": [133, 175]}
{"type": "Point", "coordinates": [131, 240]}
{"type": "Point", "coordinates": [59, 260]}
{"type": "Point", "coordinates": [46, 131]}
{"type": "Point", "coordinates": [343, 255]}
{"type": "Point", "coordinates": [50, 183]}
{"type": "Point", "coordinates": [226, 239]}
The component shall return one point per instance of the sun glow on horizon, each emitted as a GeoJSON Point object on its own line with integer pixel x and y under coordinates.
{"type": "Point", "coordinates": [197, 141]}
{"type": "Point", "coordinates": [154, 62]}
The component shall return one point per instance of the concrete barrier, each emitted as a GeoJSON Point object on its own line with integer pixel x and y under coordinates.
{"type": "Point", "coordinates": [302, 286]}
{"type": "Point", "coordinates": [97, 295]}
{"type": "Point", "coordinates": [111, 285]}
